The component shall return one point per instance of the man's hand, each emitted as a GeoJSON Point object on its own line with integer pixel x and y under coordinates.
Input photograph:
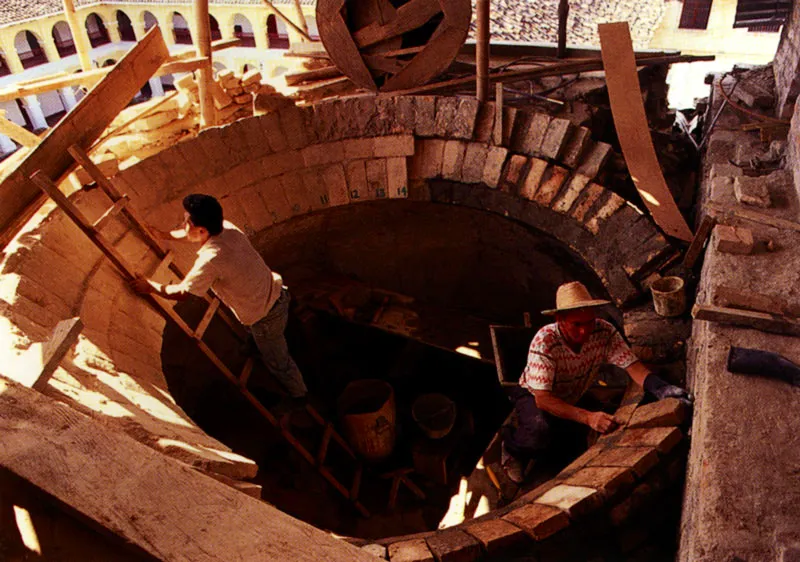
{"type": "Point", "coordinates": [661, 389]}
{"type": "Point", "coordinates": [142, 285]}
{"type": "Point", "coordinates": [601, 422]}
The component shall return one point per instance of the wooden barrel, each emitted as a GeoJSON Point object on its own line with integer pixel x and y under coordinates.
{"type": "Point", "coordinates": [367, 411]}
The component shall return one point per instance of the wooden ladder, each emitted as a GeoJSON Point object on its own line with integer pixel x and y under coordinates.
{"type": "Point", "coordinates": [120, 205]}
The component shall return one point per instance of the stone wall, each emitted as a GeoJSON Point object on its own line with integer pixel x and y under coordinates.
{"type": "Point", "coordinates": [787, 65]}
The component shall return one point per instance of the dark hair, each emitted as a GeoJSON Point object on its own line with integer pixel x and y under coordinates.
{"type": "Point", "coordinates": [205, 211]}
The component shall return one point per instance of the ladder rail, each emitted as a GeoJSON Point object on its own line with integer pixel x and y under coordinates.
{"type": "Point", "coordinates": [49, 187]}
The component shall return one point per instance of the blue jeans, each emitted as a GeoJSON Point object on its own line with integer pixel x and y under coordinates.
{"type": "Point", "coordinates": [268, 334]}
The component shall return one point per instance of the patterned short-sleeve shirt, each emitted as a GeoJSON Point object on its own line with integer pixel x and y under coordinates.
{"type": "Point", "coordinates": [553, 366]}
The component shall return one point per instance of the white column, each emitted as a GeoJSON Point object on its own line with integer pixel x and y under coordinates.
{"type": "Point", "coordinates": [68, 97]}
{"type": "Point", "coordinates": [35, 113]}
{"type": "Point", "coordinates": [6, 145]}
{"type": "Point", "coordinates": [156, 87]}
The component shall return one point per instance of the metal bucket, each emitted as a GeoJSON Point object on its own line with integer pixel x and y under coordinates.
{"type": "Point", "coordinates": [367, 411]}
{"type": "Point", "coordinates": [669, 297]}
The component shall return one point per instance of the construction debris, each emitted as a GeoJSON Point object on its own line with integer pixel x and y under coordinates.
{"type": "Point", "coordinates": [733, 239]}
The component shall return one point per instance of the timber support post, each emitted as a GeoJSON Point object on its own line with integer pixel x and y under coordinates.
{"type": "Point", "coordinates": [205, 74]}
{"type": "Point", "coordinates": [482, 51]}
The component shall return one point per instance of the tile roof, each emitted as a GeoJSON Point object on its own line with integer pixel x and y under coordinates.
{"type": "Point", "coordinates": [537, 20]}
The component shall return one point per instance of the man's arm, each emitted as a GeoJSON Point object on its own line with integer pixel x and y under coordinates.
{"type": "Point", "coordinates": [547, 402]}
{"type": "Point", "coordinates": [638, 372]}
{"type": "Point", "coordinates": [146, 286]}
{"type": "Point", "coordinates": [176, 234]}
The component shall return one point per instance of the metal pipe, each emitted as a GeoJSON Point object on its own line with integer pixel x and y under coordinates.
{"type": "Point", "coordinates": [482, 51]}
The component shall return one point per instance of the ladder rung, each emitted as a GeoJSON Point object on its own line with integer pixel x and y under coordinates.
{"type": "Point", "coordinates": [206, 320]}
{"type": "Point", "coordinates": [163, 265]}
{"type": "Point", "coordinates": [326, 439]}
{"type": "Point", "coordinates": [112, 212]}
{"type": "Point", "coordinates": [246, 371]}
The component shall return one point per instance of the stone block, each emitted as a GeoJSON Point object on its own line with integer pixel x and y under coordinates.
{"type": "Point", "coordinates": [532, 143]}
{"type": "Point", "coordinates": [393, 145]}
{"type": "Point", "coordinates": [532, 181]}
{"type": "Point", "coordinates": [575, 500]}
{"type": "Point", "coordinates": [563, 203]}
{"type": "Point", "coordinates": [415, 550]}
{"type": "Point", "coordinates": [555, 139]}
{"type": "Point", "coordinates": [513, 173]}
{"type": "Point", "coordinates": [639, 459]}
{"type": "Point", "coordinates": [463, 124]}
{"type": "Point", "coordinates": [552, 181]}
{"type": "Point", "coordinates": [509, 119]}
{"type": "Point", "coordinates": [453, 159]}
{"type": "Point", "coordinates": [595, 159]}
{"type": "Point", "coordinates": [335, 182]}
{"type": "Point", "coordinates": [733, 240]}
{"type": "Point", "coordinates": [668, 412]}
{"type": "Point", "coordinates": [425, 112]}
{"type": "Point", "coordinates": [454, 545]}
{"type": "Point", "coordinates": [293, 125]}
{"type": "Point", "coordinates": [243, 99]}
{"type": "Point", "coordinates": [484, 123]}
{"type": "Point", "coordinates": [397, 177]}
{"type": "Point", "coordinates": [358, 149]}
{"type": "Point", "coordinates": [663, 439]}
{"type": "Point", "coordinates": [726, 170]}
{"type": "Point", "coordinates": [497, 536]}
{"type": "Point", "coordinates": [608, 480]}
{"type": "Point", "coordinates": [582, 460]}
{"type": "Point", "coordinates": [377, 184]}
{"type": "Point", "coordinates": [520, 131]}
{"type": "Point", "coordinates": [322, 154]}
{"type": "Point", "coordinates": [576, 145]}
{"type": "Point", "coordinates": [255, 210]}
{"type": "Point", "coordinates": [356, 174]}
{"type": "Point", "coordinates": [427, 160]}
{"type": "Point", "coordinates": [419, 190]}
{"type": "Point", "coordinates": [404, 113]}
{"type": "Point", "coordinates": [474, 162]}
{"type": "Point", "coordinates": [495, 159]}
{"type": "Point", "coordinates": [271, 129]}
{"type": "Point", "coordinates": [611, 205]}
{"type": "Point", "coordinates": [376, 550]}
{"type": "Point", "coordinates": [274, 165]}
{"type": "Point", "coordinates": [590, 196]}
{"type": "Point", "coordinates": [752, 191]}
{"type": "Point", "coordinates": [538, 520]}
{"type": "Point", "coordinates": [251, 77]}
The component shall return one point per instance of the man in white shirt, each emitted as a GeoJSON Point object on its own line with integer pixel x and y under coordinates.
{"type": "Point", "coordinates": [228, 264]}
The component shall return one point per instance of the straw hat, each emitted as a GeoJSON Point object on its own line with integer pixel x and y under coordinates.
{"type": "Point", "coordinates": [572, 296]}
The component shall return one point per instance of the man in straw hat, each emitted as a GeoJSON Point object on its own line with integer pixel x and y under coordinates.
{"type": "Point", "coordinates": [563, 363]}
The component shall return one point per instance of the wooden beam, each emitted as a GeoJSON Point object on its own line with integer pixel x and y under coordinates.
{"type": "Point", "coordinates": [41, 359]}
{"type": "Point", "coordinates": [20, 134]}
{"type": "Point", "coordinates": [79, 38]}
{"type": "Point", "coordinates": [762, 321]}
{"type": "Point", "coordinates": [141, 497]}
{"type": "Point", "coordinates": [286, 20]}
{"type": "Point", "coordinates": [142, 114]}
{"type": "Point", "coordinates": [754, 216]}
{"type": "Point", "coordinates": [563, 12]}
{"type": "Point", "coordinates": [699, 241]}
{"type": "Point", "coordinates": [633, 131]}
{"type": "Point", "coordinates": [19, 198]}
{"type": "Point", "coordinates": [482, 51]}
{"type": "Point", "coordinates": [205, 75]}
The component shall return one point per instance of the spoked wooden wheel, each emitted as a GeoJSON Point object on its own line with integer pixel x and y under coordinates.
{"type": "Point", "coordinates": [392, 45]}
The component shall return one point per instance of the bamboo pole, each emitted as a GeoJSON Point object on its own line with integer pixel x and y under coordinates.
{"type": "Point", "coordinates": [482, 51]}
{"type": "Point", "coordinates": [78, 36]}
{"type": "Point", "coordinates": [301, 18]}
{"type": "Point", "coordinates": [208, 114]}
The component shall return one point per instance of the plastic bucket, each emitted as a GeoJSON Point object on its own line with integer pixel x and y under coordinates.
{"type": "Point", "coordinates": [435, 414]}
{"type": "Point", "coordinates": [367, 411]}
{"type": "Point", "coordinates": [669, 297]}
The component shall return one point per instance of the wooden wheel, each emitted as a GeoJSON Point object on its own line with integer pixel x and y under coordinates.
{"type": "Point", "coordinates": [392, 45]}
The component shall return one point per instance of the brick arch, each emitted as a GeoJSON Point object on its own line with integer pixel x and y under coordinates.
{"type": "Point", "coordinates": [539, 171]}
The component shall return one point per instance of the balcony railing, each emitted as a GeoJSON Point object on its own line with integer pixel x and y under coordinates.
{"type": "Point", "coordinates": [247, 39]}
{"type": "Point", "coordinates": [276, 41]}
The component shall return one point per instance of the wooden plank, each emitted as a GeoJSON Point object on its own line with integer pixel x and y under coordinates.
{"type": "Point", "coordinates": [699, 241]}
{"type": "Point", "coordinates": [16, 133]}
{"type": "Point", "coordinates": [340, 45]}
{"type": "Point", "coordinates": [41, 359]}
{"type": "Point", "coordinates": [408, 17]}
{"type": "Point", "coordinates": [762, 321]}
{"type": "Point", "coordinates": [633, 131]}
{"type": "Point", "coordinates": [206, 320]}
{"type": "Point", "coordinates": [247, 370]}
{"type": "Point", "coordinates": [82, 126]}
{"type": "Point", "coordinates": [144, 498]}
{"type": "Point", "coordinates": [754, 216]}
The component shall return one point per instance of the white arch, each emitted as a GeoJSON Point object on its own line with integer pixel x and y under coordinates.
{"type": "Point", "coordinates": [239, 19]}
